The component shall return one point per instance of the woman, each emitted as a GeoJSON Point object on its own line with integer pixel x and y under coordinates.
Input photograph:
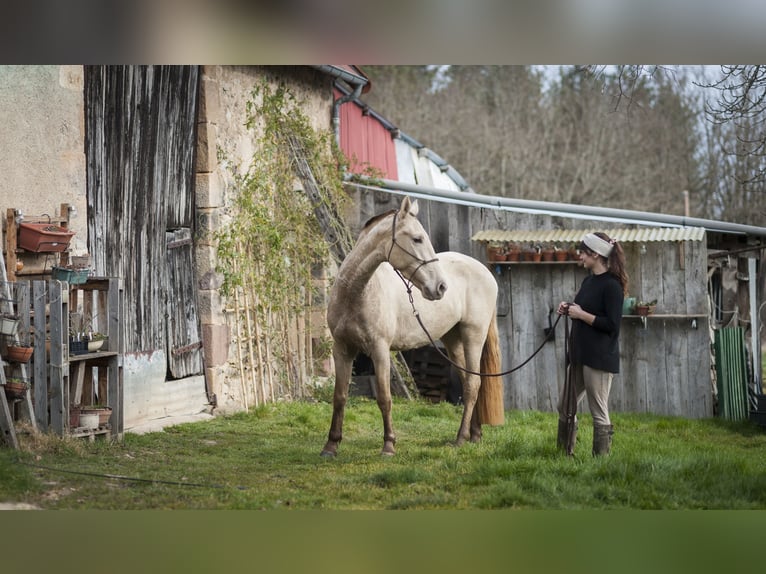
{"type": "Point", "coordinates": [594, 349]}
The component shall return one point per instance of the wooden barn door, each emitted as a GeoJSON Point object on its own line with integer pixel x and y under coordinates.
{"type": "Point", "coordinates": [140, 148]}
{"type": "Point", "coordinates": [184, 339]}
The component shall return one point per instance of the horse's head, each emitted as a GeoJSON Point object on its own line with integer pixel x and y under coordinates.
{"type": "Point", "coordinates": [412, 254]}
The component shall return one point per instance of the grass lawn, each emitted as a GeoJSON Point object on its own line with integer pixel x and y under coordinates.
{"type": "Point", "coordinates": [269, 459]}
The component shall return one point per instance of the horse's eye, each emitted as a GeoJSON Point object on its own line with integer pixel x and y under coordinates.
{"type": "Point", "coordinates": [417, 239]}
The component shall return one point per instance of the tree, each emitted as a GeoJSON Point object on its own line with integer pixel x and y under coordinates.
{"type": "Point", "coordinates": [737, 143]}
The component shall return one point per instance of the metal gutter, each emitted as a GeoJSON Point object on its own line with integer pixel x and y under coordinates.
{"type": "Point", "coordinates": [567, 210]}
{"type": "Point", "coordinates": [358, 82]}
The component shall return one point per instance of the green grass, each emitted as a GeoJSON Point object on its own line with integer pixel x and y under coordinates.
{"type": "Point", "coordinates": [269, 459]}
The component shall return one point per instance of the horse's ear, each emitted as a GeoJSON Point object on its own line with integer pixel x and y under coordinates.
{"type": "Point", "coordinates": [408, 207]}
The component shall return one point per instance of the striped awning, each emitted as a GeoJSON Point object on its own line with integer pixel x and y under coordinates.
{"type": "Point", "coordinates": [641, 235]}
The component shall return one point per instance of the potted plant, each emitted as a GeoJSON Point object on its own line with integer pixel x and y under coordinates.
{"type": "Point", "coordinates": [96, 341]}
{"type": "Point", "coordinates": [102, 411]}
{"type": "Point", "coordinates": [546, 251]}
{"type": "Point", "coordinates": [495, 251]}
{"type": "Point", "coordinates": [645, 308]}
{"type": "Point", "coordinates": [559, 254]}
{"type": "Point", "coordinates": [15, 388]}
{"type": "Point", "coordinates": [513, 253]}
{"type": "Point", "coordinates": [77, 344]}
{"type": "Point", "coordinates": [19, 353]}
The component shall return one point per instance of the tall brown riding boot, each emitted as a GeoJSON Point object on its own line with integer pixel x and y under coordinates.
{"type": "Point", "coordinates": [561, 439]}
{"type": "Point", "coordinates": [602, 439]}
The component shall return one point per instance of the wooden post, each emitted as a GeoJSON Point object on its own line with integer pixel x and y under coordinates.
{"type": "Point", "coordinates": [59, 359]}
{"type": "Point", "coordinates": [39, 296]}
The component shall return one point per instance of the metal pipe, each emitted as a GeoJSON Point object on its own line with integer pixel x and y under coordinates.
{"type": "Point", "coordinates": [557, 209]}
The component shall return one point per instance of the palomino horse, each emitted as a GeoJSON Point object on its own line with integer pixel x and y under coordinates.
{"type": "Point", "coordinates": [370, 312]}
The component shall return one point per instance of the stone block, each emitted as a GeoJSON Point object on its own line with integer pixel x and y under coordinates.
{"type": "Point", "coordinates": [209, 99]}
{"type": "Point", "coordinates": [210, 306]}
{"type": "Point", "coordinates": [207, 159]}
{"type": "Point", "coordinates": [216, 340]}
{"type": "Point", "coordinates": [209, 190]}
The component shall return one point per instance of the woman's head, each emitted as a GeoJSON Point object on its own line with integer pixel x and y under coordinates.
{"type": "Point", "coordinates": [610, 251]}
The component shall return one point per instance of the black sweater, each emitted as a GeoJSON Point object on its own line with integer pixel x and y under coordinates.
{"type": "Point", "coordinates": [597, 346]}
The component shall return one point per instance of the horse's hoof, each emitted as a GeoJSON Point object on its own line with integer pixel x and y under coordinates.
{"type": "Point", "coordinates": [476, 439]}
{"type": "Point", "coordinates": [388, 449]}
{"type": "Point", "coordinates": [327, 454]}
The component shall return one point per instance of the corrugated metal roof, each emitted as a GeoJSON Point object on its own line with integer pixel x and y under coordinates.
{"type": "Point", "coordinates": [672, 234]}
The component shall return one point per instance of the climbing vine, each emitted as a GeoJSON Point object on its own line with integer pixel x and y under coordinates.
{"type": "Point", "coordinates": [273, 241]}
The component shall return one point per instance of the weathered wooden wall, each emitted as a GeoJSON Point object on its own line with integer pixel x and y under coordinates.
{"type": "Point", "coordinates": [140, 142]}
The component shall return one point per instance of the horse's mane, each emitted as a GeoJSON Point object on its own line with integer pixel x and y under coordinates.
{"type": "Point", "coordinates": [370, 222]}
{"type": "Point", "coordinates": [373, 220]}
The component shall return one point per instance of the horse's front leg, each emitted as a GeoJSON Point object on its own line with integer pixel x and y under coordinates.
{"type": "Point", "coordinates": [343, 365]}
{"type": "Point", "coordinates": [382, 361]}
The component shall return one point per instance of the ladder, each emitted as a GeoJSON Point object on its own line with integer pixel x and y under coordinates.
{"type": "Point", "coordinates": [6, 417]}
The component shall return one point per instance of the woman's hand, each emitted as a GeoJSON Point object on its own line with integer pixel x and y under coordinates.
{"type": "Point", "coordinates": [575, 311]}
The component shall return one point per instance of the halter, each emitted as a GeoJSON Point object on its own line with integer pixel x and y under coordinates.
{"type": "Point", "coordinates": [407, 282]}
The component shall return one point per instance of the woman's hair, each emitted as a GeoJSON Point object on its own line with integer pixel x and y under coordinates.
{"type": "Point", "coordinates": [615, 263]}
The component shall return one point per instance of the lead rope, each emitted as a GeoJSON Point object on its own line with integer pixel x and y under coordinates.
{"type": "Point", "coordinates": [570, 395]}
{"type": "Point", "coordinates": [408, 286]}
{"type": "Point", "coordinates": [549, 336]}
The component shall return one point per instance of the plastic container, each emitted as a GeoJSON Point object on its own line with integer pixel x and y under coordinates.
{"type": "Point", "coordinates": [39, 237]}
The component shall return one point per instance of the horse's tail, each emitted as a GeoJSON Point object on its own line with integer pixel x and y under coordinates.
{"type": "Point", "coordinates": [490, 401]}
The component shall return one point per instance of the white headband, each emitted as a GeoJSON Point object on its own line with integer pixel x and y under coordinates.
{"type": "Point", "coordinates": [598, 245]}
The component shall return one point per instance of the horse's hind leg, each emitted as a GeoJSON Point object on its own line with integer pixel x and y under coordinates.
{"type": "Point", "coordinates": [466, 357]}
{"type": "Point", "coordinates": [476, 424]}
{"type": "Point", "coordinates": [343, 365]}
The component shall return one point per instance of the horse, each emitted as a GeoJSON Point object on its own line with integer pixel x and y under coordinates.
{"type": "Point", "coordinates": [370, 311]}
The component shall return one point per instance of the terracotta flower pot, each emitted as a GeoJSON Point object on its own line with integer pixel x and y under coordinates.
{"type": "Point", "coordinates": [19, 354]}
{"type": "Point", "coordinates": [560, 255]}
{"type": "Point", "coordinates": [15, 388]}
{"type": "Point", "coordinates": [513, 255]}
{"type": "Point", "coordinates": [494, 253]}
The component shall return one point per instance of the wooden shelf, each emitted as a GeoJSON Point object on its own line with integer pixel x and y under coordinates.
{"type": "Point", "coordinates": [665, 316]}
{"type": "Point", "coordinates": [94, 356]}
{"type": "Point", "coordinates": [690, 317]}
{"type": "Point", "coordinates": [570, 262]}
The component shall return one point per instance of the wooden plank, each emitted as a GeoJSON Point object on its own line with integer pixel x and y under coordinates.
{"type": "Point", "coordinates": [59, 357]}
{"type": "Point", "coordinates": [6, 417]}
{"type": "Point", "coordinates": [546, 361]}
{"type": "Point", "coordinates": [116, 303]}
{"type": "Point", "coordinates": [11, 238]}
{"type": "Point", "coordinates": [40, 358]}
{"type": "Point", "coordinates": [522, 382]}
{"type": "Point", "coordinates": [696, 278]}
{"type": "Point", "coordinates": [79, 378]}
{"type": "Point", "coordinates": [657, 382]}
{"type": "Point", "coordinates": [23, 337]}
